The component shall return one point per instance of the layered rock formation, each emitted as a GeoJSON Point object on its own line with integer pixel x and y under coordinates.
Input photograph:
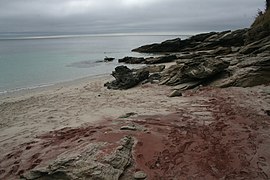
{"type": "Point", "coordinates": [206, 41]}
{"type": "Point", "coordinates": [86, 164]}
{"type": "Point", "coordinates": [222, 59]}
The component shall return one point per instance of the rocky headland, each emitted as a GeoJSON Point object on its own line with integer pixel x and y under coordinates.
{"type": "Point", "coordinates": [218, 59]}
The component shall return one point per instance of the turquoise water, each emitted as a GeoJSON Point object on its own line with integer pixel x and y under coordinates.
{"type": "Point", "coordinates": [33, 62]}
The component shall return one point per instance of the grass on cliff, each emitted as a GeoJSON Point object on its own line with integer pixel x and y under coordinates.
{"type": "Point", "coordinates": [262, 20]}
{"type": "Point", "coordinates": [260, 27]}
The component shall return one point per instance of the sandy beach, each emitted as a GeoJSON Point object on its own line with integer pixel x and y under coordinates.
{"type": "Point", "coordinates": [208, 132]}
{"type": "Point", "coordinates": [70, 104]}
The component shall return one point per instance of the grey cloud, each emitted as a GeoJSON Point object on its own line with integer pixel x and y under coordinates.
{"type": "Point", "coordinates": [112, 16]}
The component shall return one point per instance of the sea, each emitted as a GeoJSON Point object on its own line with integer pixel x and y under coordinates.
{"type": "Point", "coordinates": [29, 60]}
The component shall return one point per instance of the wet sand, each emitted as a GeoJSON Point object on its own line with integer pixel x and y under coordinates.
{"type": "Point", "coordinates": [205, 134]}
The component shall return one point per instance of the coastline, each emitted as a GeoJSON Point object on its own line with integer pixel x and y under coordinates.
{"type": "Point", "coordinates": [41, 88]}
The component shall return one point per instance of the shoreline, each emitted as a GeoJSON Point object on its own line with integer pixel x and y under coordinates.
{"type": "Point", "coordinates": [41, 88]}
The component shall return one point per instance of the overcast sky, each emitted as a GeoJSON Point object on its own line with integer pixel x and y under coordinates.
{"type": "Point", "coordinates": [125, 16]}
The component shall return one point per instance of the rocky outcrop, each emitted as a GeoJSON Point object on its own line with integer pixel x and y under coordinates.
{"type": "Point", "coordinates": [126, 78]}
{"type": "Point", "coordinates": [173, 45]}
{"type": "Point", "coordinates": [150, 60]}
{"type": "Point", "coordinates": [250, 71]}
{"type": "Point", "coordinates": [257, 47]}
{"type": "Point", "coordinates": [206, 41]}
{"type": "Point", "coordinates": [108, 59]}
{"type": "Point", "coordinates": [193, 72]}
{"type": "Point", "coordinates": [214, 58]}
{"type": "Point", "coordinates": [86, 165]}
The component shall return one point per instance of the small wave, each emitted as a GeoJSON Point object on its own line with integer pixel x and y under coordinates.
{"type": "Point", "coordinates": [25, 88]}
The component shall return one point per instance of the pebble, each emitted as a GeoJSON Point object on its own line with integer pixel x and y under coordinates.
{"type": "Point", "coordinates": [139, 175]}
{"type": "Point", "coordinates": [132, 128]}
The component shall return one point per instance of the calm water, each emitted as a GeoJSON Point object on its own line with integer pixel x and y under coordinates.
{"type": "Point", "coordinates": [27, 63]}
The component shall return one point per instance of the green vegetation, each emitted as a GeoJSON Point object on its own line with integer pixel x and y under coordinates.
{"type": "Point", "coordinates": [263, 19]}
{"type": "Point", "coordinates": [261, 26]}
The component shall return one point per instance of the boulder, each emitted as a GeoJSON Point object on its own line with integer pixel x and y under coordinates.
{"type": "Point", "coordinates": [89, 164]}
{"type": "Point", "coordinates": [126, 78]}
{"type": "Point", "coordinates": [108, 59]}
{"type": "Point", "coordinates": [132, 60]}
{"type": "Point", "coordinates": [140, 175]}
{"type": "Point", "coordinates": [194, 71]}
{"type": "Point", "coordinates": [173, 45]}
{"type": "Point", "coordinates": [203, 68]}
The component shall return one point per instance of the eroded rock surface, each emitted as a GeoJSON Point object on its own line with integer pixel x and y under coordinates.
{"type": "Point", "coordinates": [193, 71]}
{"type": "Point", "coordinates": [205, 41]}
{"type": "Point", "coordinates": [87, 164]}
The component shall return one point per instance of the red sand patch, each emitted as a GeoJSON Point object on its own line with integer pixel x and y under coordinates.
{"type": "Point", "coordinates": [221, 134]}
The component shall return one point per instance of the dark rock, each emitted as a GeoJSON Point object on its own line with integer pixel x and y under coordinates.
{"type": "Point", "coordinates": [206, 41]}
{"type": "Point", "coordinates": [132, 60]}
{"type": "Point", "coordinates": [161, 59]}
{"type": "Point", "coordinates": [108, 59]}
{"type": "Point", "coordinates": [267, 112]}
{"type": "Point", "coordinates": [234, 38]}
{"type": "Point", "coordinates": [173, 45]}
{"type": "Point", "coordinates": [202, 37]}
{"type": "Point", "coordinates": [126, 78]}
